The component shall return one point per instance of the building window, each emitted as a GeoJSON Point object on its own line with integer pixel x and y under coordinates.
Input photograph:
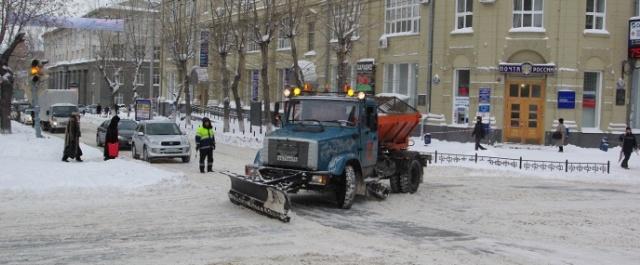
{"type": "Point", "coordinates": [401, 79]}
{"type": "Point", "coordinates": [140, 78]}
{"type": "Point", "coordinates": [283, 40]}
{"type": "Point", "coordinates": [139, 52]}
{"type": "Point", "coordinates": [156, 52]}
{"type": "Point", "coordinates": [591, 100]}
{"type": "Point", "coordinates": [596, 14]}
{"type": "Point", "coordinates": [253, 88]}
{"type": "Point", "coordinates": [117, 51]}
{"type": "Point", "coordinates": [311, 36]}
{"type": "Point", "coordinates": [462, 82]}
{"type": "Point", "coordinates": [156, 77]}
{"type": "Point", "coordinates": [252, 45]}
{"type": "Point", "coordinates": [464, 14]}
{"type": "Point", "coordinates": [402, 16]}
{"type": "Point", "coordinates": [527, 13]}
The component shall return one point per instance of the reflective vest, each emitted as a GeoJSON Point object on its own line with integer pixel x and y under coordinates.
{"type": "Point", "coordinates": [205, 138]}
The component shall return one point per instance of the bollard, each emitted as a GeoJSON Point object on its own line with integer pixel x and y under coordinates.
{"type": "Point", "coordinates": [608, 166]}
{"type": "Point", "coordinates": [566, 165]}
{"type": "Point", "coordinates": [476, 157]}
{"type": "Point", "coordinates": [520, 162]}
{"type": "Point", "coordinates": [435, 157]}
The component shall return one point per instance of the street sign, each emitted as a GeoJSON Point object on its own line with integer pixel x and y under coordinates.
{"type": "Point", "coordinates": [484, 96]}
{"type": "Point", "coordinates": [566, 99]}
{"type": "Point", "coordinates": [143, 109]}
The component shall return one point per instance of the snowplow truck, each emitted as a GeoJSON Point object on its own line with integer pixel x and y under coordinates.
{"type": "Point", "coordinates": [349, 145]}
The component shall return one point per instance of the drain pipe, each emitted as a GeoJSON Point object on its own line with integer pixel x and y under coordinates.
{"type": "Point", "coordinates": [430, 63]}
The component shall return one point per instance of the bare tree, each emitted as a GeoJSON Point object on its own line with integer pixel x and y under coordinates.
{"type": "Point", "coordinates": [343, 22]}
{"type": "Point", "coordinates": [222, 35]}
{"type": "Point", "coordinates": [138, 21]}
{"type": "Point", "coordinates": [263, 25]}
{"type": "Point", "coordinates": [294, 9]}
{"type": "Point", "coordinates": [179, 25]}
{"type": "Point", "coordinates": [109, 58]}
{"type": "Point", "coordinates": [15, 15]}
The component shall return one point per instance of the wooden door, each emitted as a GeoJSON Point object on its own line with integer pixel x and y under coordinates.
{"type": "Point", "coordinates": [524, 111]}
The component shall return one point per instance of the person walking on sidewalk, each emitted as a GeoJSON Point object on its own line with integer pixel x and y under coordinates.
{"type": "Point", "coordinates": [560, 135]}
{"type": "Point", "coordinates": [206, 143]}
{"type": "Point", "coordinates": [629, 144]}
{"type": "Point", "coordinates": [72, 139]}
{"type": "Point", "coordinates": [112, 139]}
{"type": "Point", "coordinates": [478, 133]}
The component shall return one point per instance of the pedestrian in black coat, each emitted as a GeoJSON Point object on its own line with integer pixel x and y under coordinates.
{"type": "Point", "coordinates": [111, 136]}
{"type": "Point", "coordinates": [478, 133]}
{"type": "Point", "coordinates": [72, 139]}
{"type": "Point", "coordinates": [629, 144]}
{"type": "Point", "coordinates": [99, 110]}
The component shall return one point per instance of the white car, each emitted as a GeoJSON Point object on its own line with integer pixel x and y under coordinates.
{"type": "Point", "coordinates": [160, 139]}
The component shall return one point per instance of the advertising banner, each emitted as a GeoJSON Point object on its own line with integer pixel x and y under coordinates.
{"type": "Point", "coordinates": [255, 82]}
{"type": "Point", "coordinates": [634, 38]}
{"type": "Point", "coordinates": [365, 80]}
{"type": "Point", "coordinates": [204, 49]}
{"type": "Point", "coordinates": [143, 109]}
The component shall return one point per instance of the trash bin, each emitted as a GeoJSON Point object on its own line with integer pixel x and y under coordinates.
{"type": "Point", "coordinates": [604, 144]}
{"type": "Point", "coordinates": [427, 138]}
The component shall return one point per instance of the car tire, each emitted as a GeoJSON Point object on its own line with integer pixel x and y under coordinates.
{"type": "Point", "coordinates": [346, 188]}
{"type": "Point", "coordinates": [145, 154]}
{"type": "Point", "coordinates": [186, 159]}
{"type": "Point", "coordinates": [133, 151]}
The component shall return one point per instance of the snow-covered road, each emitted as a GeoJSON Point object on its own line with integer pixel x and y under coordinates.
{"type": "Point", "coordinates": [459, 216]}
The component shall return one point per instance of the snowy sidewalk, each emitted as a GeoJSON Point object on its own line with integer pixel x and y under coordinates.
{"type": "Point", "coordinates": [545, 153]}
{"type": "Point", "coordinates": [33, 164]}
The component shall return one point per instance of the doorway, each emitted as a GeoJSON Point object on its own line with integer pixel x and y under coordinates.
{"type": "Point", "coordinates": [524, 111]}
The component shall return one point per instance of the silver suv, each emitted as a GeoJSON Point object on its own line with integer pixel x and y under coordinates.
{"type": "Point", "coordinates": [160, 139]}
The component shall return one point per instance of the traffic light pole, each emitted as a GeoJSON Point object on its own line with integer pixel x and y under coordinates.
{"type": "Point", "coordinates": [36, 109]}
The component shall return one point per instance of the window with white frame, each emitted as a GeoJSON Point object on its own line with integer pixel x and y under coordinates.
{"type": "Point", "coordinates": [252, 45]}
{"type": "Point", "coordinates": [464, 14]}
{"type": "Point", "coordinates": [283, 40]}
{"type": "Point", "coordinates": [591, 99]}
{"type": "Point", "coordinates": [156, 77]}
{"type": "Point", "coordinates": [140, 78]}
{"type": "Point", "coordinates": [402, 16]}
{"type": "Point", "coordinates": [462, 82]}
{"type": "Point", "coordinates": [596, 14]}
{"type": "Point", "coordinates": [401, 79]}
{"type": "Point", "coordinates": [528, 13]}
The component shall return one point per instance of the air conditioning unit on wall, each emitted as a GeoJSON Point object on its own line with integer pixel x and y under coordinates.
{"type": "Point", "coordinates": [487, 1]}
{"type": "Point", "coordinates": [383, 42]}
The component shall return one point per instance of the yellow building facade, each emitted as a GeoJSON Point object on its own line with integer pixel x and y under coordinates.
{"type": "Point", "coordinates": [520, 64]}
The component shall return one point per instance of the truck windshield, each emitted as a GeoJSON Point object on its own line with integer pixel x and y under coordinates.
{"type": "Point", "coordinates": [328, 112]}
{"type": "Point", "coordinates": [163, 129]}
{"type": "Point", "coordinates": [64, 111]}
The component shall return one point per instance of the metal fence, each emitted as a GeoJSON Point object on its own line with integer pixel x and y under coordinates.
{"type": "Point", "coordinates": [524, 164]}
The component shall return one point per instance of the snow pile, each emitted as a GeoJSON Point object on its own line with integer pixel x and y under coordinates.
{"type": "Point", "coordinates": [543, 153]}
{"type": "Point", "coordinates": [234, 137]}
{"type": "Point", "coordinates": [29, 163]}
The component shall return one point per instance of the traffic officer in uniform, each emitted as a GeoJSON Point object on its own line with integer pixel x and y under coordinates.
{"type": "Point", "coordinates": [206, 143]}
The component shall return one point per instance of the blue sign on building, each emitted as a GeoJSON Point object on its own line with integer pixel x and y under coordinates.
{"type": "Point", "coordinates": [566, 99]}
{"type": "Point", "coordinates": [484, 95]}
{"type": "Point", "coordinates": [484, 108]}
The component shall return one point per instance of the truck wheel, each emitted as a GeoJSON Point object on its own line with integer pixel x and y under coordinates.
{"type": "Point", "coordinates": [410, 181]}
{"type": "Point", "coordinates": [346, 190]}
{"type": "Point", "coordinates": [394, 182]}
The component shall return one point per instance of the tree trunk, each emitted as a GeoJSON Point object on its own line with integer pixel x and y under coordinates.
{"type": "Point", "coordinates": [6, 86]}
{"type": "Point", "coordinates": [6, 94]}
{"type": "Point", "coordinates": [187, 93]}
{"type": "Point", "coordinates": [264, 75]}
{"type": "Point", "coordinates": [298, 76]}
{"type": "Point", "coordinates": [234, 88]}
{"type": "Point", "coordinates": [225, 91]}
{"type": "Point", "coordinates": [341, 56]}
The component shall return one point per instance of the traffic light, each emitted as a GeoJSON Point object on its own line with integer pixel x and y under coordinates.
{"type": "Point", "coordinates": [35, 70]}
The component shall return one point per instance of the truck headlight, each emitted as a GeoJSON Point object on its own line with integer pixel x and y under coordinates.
{"type": "Point", "coordinates": [251, 171]}
{"type": "Point", "coordinates": [319, 180]}
{"type": "Point", "coordinates": [55, 123]}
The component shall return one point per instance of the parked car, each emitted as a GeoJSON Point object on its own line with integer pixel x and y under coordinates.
{"type": "Point", "coordinates": [160, 139]}
{"type": "Point", "coordinates": [26, 117]}
{"type": "Point", "coordinates": [126, 128]}
{"type": "Point", "coordinates": [91, 109]}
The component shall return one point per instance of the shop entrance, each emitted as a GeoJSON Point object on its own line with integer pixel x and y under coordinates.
{"type": "Point", "coordinates": [524, 111]}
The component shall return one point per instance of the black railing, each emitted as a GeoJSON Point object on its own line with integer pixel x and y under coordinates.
{"type": "Point", "coordinates": [525, 164]}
